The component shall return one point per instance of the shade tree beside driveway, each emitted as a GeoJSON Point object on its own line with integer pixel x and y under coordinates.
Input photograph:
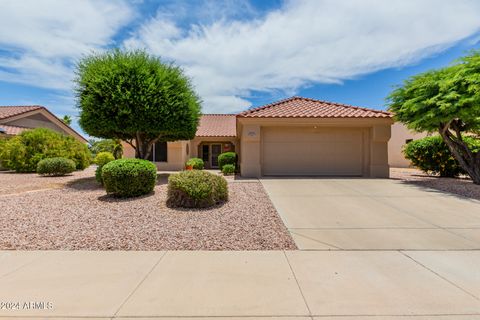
{"type": "Point", "coordinates": [446, 101]}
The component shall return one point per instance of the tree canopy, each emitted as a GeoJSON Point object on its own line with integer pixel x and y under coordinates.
{"type": "Point", "coordinates": [134, 96]}
{"type": "Point", "coordinates": [447, 101]}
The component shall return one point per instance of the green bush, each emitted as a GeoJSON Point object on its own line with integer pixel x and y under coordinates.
{"type": "Point", "coordinates": [196, 163]}
{"type": "Point", "coordinates": [114, 146]}
{"type": "Point", "coordinates": [103, 158]}
{"type": "Point", "coordinates": [432, 155]}
{"type": "Point", "coordinates": [23, 152]}
{"type": "Point", "coordinates": [228, 169]}
{"type": "Point", "coordinates": [129, 177]}
{"type": "Point", "coordinates": [55, 166]}
{"type": "Point", "coordinates": [196, 189]}
{"type": "Point", "coordinates": [227, 158]}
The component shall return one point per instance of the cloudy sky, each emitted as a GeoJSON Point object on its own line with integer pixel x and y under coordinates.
{"type": "Point", "coordinates": [239, 53]}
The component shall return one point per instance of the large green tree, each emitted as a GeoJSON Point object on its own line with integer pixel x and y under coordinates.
{"type": "Point", "coordinates": [446, 101]}
{"type": "Point", "coordinates": [135, 97]}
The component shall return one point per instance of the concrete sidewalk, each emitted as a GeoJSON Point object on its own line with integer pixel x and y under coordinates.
{"type": "Point", "coordinates": [303, 284]}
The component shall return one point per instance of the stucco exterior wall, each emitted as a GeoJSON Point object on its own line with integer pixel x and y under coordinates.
{"type": "Point", "coordinates": [176, 155]}
{"type": "Point", "coordinates": [400, 134]}
{"type": "Point", "coordinates": [375, 134]}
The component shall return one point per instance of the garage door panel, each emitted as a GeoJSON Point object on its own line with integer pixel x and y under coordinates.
{"type": "Point", "coordinates": [303, 151]}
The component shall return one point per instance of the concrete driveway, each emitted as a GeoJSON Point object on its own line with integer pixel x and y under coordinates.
{"type": "Point", "coordinates": [373, 214]}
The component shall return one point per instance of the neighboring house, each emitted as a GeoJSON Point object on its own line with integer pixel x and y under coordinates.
{"type": "Point", "coordinates": [401, 135]}
{"type": "Point", "coordinates": [295, 136]}
{"type": "Point", "coordinates": [15, 119]}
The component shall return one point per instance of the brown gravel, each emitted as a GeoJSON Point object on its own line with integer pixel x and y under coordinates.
{"type": "Point", "coordinates": [462, 186]}
{"type": "Point", "coordinates": [11, 182]}
{"type": "Point", "coordinates": [80, 216]}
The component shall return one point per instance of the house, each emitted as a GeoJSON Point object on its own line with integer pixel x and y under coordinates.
{"type": "Point", "coordinates": [15, 119]}
{"type": "Point", "coordinates": [401, 135]}
{"type": "Point", "coordinates": [295, 136]}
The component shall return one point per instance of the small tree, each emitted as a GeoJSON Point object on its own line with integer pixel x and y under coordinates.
{"type": "Point", "coordinates": [113, 146]}
{"type": "Point", "coordinates": [135, 97]}
{"type": "Point", "coordinates": [446, 101]}
{"type": "Point", "coordinates": [67, 120]}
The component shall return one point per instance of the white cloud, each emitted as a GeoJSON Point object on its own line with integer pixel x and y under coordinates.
{"type": "Point", "coordinates": [305, 42]}
{"type": "Point", "coordinates": [43, 38]}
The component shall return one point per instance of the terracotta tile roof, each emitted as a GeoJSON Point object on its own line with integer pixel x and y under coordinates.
{"type": "Point", "coordinates": [10, 111]}
{"type": "Point", "coordinates": [217, 125]}
{"type": "Point", "coordinates": [12, 130]}
{"type": "Point", "coordinates": [298, 107]}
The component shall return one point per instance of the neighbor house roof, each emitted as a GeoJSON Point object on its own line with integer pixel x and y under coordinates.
{"type": "Point", "coordinates": [7, 112]}
{"type": "Point", "coordinates": [12, 130]}
{"type": "Point", "coordinates": [217, 125]}
{"type": "Point", "coordinates": [11, 111]}
{"type": "Point", "coordinates": [298, 107]}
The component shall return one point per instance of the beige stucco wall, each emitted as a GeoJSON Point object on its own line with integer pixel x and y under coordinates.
{"type": "Point", "coordinates": [176, 155]}
{"type": "Point", "coordinates": [400, 133]}
{"type": "Point", "coordinates": [374, 150]}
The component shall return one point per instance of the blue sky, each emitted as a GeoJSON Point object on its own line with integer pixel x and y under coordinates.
{"type": "Point", "coordinates": [238, 53]}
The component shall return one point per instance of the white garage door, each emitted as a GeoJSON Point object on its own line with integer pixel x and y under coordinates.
{"type": "Point", "coordinates": [312, 151]}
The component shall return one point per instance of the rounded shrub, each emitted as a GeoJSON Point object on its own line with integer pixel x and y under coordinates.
{"type": "Point", "coordinates": [228, 169]}
{"type": "Point", "coordinates": [227, 158]}
{"type": "Point", "coordinates": [55, 166]}
{"type": "Point", "coordinates": [196, 163]}
{"type": "Point", "coordinates": [103, 158]}
{"type": "Point", "coordinates": [196, 189]}
{"type": "Point", "coordinates": [432, 155]}
{"type": "Point", "coordinates": [129, 177]}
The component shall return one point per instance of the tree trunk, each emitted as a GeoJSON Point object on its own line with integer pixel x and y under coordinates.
{"type": "Point", "coordinates": [143, 146]}
{"type": "Point", "coordinates": [469, 161]}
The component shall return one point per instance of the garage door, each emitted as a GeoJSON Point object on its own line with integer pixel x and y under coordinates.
{"type": "Point", "coordinates": [312, 151]}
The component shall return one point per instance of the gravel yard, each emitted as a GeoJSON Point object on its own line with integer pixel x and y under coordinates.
{"type": "Point", "coordinates": [11, 182]}
{"type": "Point", "coordinates": [459, 186]}
{"type": "Point", "coordinates": [79, 216]}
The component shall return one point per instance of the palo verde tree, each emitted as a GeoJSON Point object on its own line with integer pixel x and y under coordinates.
{"type": "Point", "coordinates": [135, 97]}
{"type": "Point", "coordinates": [446, 101]}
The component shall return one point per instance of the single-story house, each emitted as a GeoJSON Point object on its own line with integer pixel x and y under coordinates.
{"type": "Point", "coordinates": [295, 136]}
{"type": "Point", "coordinates": [401, 135]}
{"type": "Point", "coordinates": [15, 119]}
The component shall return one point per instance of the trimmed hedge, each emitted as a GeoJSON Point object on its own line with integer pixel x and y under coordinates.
{"type": "Point", "coordinates": [129, 177]}
{"type": "Point", "coordinates": [102, 159]}
{"type": "Point", "coordinates": [196, 163]}
{"type": "Point", "coordinates": [196, 189]}
{"type": "Point", "coordinates": [432, 155]}
{"type": "Point", "coordinates": [23, 152]}
{"type": "Point", "coordinates": [227, 158]}
{"type": "Point", "coordinates": [228, 169]}
{"type": "Point", "coordinates": [55, 166]}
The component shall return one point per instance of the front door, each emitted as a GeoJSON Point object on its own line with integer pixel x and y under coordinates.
{"type": "Point", "coordinates": [216, 151]}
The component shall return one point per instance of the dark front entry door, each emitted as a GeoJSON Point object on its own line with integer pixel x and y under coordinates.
{"type": "Point", "coordinates": [216, 150]}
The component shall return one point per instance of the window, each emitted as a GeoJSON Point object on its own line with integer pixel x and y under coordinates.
{"type": "Point", "coordinates": [408, 141]}
{"type": "Point", "coordinates": [159, 152]}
